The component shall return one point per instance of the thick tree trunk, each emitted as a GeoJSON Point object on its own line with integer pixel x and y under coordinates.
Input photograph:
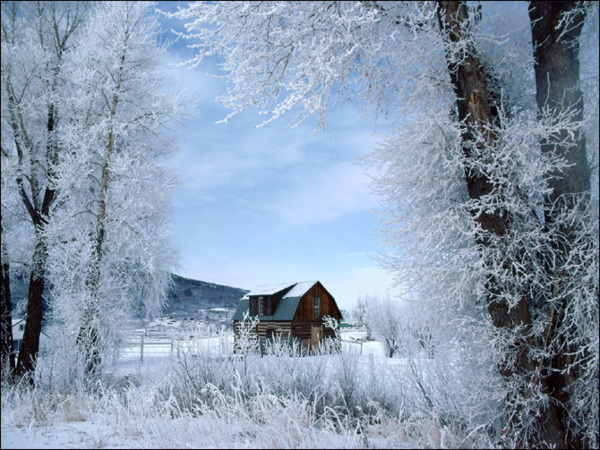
{"type": "Point", "coordinates": [39, 211]}
{"type": "Point", "coordinates": [35, 175]}
{"type": "Point", "coordinates": [39, 216]}
{"type": "Point", "coordinates": [472, 100]}
{"type": "Point", "coordinates": [33, 326]}
{"type": "Point", "coordinates": [473, 105]}
{"type": "Point", "coordinates": [468, 77]}
{"type": "Point", "coordinates": [556, 53]}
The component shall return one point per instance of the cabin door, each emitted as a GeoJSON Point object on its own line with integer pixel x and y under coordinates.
{"type": "Point", "coordinates": [316, 334]}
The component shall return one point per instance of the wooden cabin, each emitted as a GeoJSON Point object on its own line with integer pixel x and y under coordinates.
{"type": "Point", "coordinates": [290, 311]}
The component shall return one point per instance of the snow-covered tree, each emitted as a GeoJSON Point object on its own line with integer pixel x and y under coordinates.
{"type": "Point", "coordinates": [359, 315]}
{"type": "Point", "coordinates": [114, 185]}
{"type": "Point", "coordinates": [84, 157]}
{"type": "Point", "coordinates": [36, 41]}
{"type": "Point", "coordinates": [485, 181]}
{"type": "Point", "coordinates": [382, 316]}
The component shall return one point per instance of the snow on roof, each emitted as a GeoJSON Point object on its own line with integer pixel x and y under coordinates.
{"type": "Point", "coordinates": [268, 289]}
{"type": "Point", "coordinates": [300, 289]}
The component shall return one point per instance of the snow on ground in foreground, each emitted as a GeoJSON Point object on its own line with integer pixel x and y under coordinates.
{"type": "Point", "coordinates": [207, 431]}
{"type": "Point", "coordinates": [67, 435]}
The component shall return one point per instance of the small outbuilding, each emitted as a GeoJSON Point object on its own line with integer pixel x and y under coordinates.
{"type": "Point", "coordinates": [290, 311]}
{"type": "Point", "coordinates": [18, 330]}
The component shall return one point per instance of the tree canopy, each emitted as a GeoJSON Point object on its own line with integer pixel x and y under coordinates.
{"type": "Point", "coordinates": [489, 215]}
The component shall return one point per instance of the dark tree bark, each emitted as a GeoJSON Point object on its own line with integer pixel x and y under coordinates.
{"type": "Point", "coordinates": [475, 109]}
{"type": "Point", "coordinates": [556, 54]}
{"type": "Point", "coordinates": [30, 345]}
{"type": "Point", "coordinates": [39, 214]}
{"type": "Point", "coordinates": [55, 24]}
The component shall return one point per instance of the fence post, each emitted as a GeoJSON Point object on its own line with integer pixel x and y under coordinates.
{"type": "Point", "coordinates": [142, 349]}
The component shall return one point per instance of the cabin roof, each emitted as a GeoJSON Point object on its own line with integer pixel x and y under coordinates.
{"type": "Point", "coordinates": [268, 289]}
{"type": "Point", "coordinates": [287, 306]}
{"type": "Point", "coordinates": [300, 289]}
{"type": "Point", "coordinates": [297, 289]}
{"type": "Point", "coordinates": [285, 310]}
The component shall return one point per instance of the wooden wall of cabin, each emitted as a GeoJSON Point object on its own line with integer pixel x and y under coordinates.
{"type": "Point", "coordinates": [236, 327]}
{"type": "Point", "coordinates": [327, 305]}
{"type": "Point", "coordinates": [283, 329]}
{"type": "Point", "coordinates": [310, 332]}
{"type": "Point", "coordinates": [303, 329]}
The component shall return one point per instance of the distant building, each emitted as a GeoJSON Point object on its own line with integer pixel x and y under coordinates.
{"type": "Point", "coordinates": [18, 330]}
{"type": "Point", "coordinates": [290, 311]}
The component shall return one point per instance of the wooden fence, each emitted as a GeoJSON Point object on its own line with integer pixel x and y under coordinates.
{"type": "Point", "coordinates": [145, 342]}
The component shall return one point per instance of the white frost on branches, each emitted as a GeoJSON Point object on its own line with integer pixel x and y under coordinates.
{"type": "Point", "coordinates": [391, 57]}
{"type": "Point", "coordinates": [115, 177]}
{"type": "Point", "coordinates": [109, 247]}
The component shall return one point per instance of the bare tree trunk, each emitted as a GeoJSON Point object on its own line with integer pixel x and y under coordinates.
{"type": "Point", "coordinates": [39, 214]}
{"type": "Point", "coordinates": [30, 345]}
{"type": "Point", "coordinates": [89, 331]}
{"type": "Point", "coordinates": [474, 108]}
{"type": "Point", "coordinates": [556, 53]}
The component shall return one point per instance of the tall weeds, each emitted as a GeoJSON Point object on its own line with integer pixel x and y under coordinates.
{"type": "Point", "coordinates": [208, 396]}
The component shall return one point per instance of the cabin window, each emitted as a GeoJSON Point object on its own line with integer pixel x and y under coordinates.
{"type": "Point", "coordinates": [21, 327]}
{"type": "Point", "coordinates": [269, 306]}
{"type": "Point", "coordinates": [261, 306]}
{"type": "Point", "coordinates": [316, 301]}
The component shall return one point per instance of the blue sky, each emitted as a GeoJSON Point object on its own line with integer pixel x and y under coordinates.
{"type": "Point", "coordinates": [272, 204]}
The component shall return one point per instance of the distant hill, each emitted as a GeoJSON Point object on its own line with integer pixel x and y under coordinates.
{"type": "Point", "coordinates": [188, 299]}
{"type": "Point", "coordinates": [192, 298]}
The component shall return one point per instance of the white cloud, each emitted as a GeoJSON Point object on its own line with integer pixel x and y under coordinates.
{"type": "Point", "coordinates": [323, 194]}
{"type": "Point", "coordinates": [252, 202]}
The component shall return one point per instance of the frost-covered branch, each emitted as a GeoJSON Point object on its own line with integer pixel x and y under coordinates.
{"type": "Point", "coordinates": [485, 190]}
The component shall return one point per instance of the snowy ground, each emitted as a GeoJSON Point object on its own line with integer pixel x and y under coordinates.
{"type": "Point", "coordinates": [96, 430]}
{"type": "Point", "coordinates": [187, 390]}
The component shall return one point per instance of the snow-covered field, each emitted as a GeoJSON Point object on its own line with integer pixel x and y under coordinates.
{"type": "Point", "coordinates": [193, 393]}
